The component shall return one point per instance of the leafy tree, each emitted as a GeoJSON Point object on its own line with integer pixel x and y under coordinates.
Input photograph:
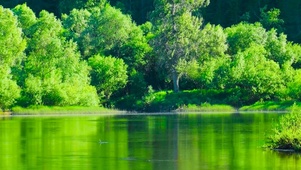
{"type": "Point", "coordinates": [270, 19]}
{"type": "Point", "coordinates": [54, 73]}
{"type": "Point", "coordinates": [177, 34]}
{"type": "Point", "coordinates": [202, 70]}
{"type": "Point", "coordinates": [45, 46]}
{"type": "Point", "coordinates": [242, 35]}
{"type": "Point", "coordinates": [210, 74]}
{"type": "Point", "coordinates": [108, 74]}
{"type": "Point", "coordinates": [281, 50]}
{"type": "Point", "coordinates": [214, 42]}
{"type": "Point", "coordinates": [108, 27]}
{"type": "Point", "coordinates": [12, 46]}
{"type": "Point", "coordinates": [75, 23]}
{"type": "Point", "coordinates": [253, 77]}
{"type": "Point", "coordinates": [295, 51]}
{"type": "Point", "coordinates": [9, 90]}
{"type": "Point", "coordinates": [294, 87]}
{"type": "Point", "coordinates": [105, 30]}
{"type": "Point", "coordinates": [133, 50]}
{"type": "Point", "coordinates": [26, 17]}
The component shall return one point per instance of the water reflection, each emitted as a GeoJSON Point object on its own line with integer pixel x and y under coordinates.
{"type": "Point", "coordinates": [191, 141]}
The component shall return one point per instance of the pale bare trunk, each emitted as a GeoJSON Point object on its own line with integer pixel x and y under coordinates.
{"type": "Point", "coordinates": [175, 80]}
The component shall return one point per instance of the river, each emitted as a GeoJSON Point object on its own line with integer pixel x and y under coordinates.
{"type": "Point", "coordinates": [148, 142]}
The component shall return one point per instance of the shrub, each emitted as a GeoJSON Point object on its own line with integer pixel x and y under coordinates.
{"type": "Point", "coordinates": [287, 134]}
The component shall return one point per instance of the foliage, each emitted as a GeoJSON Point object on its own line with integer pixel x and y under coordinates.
{"type": "Point", "coordinates": [242, 35]}
{"type": "Point", "coordinates": [207, 107]}
{"type": "Point", "coordinates": [75, 23]}
{"type": "Point", "coordinates": [12, 46]}
{"type": "Point", "coordinates": [56, 110]}
{"type": "Point", "coordinates": [106, 31]}
{"type": "Point", "coordinates": [206, 68]}
{"type": "Point", "coordinates": [294, 87]}
{"type": "Point", "coordinates": [213, 42]}
{"type": "Point", "coordinates": [270, 19]}
{"type": "Point", "coordinates": [177, 37]}
{"type": "Point", "coordinates": [280, 50]}
{"type": "Point", "coordinates": [107, 28]}
{"type": "Point", "coordinates": [261, 64]}
{"type": "Point", "coordinates": [270, 106]}
{"type": "Point", "coordinates": [169, 101]}
{"type": "Point", "coordinates": [218, 12]}
{"type": "Point", "coordinates": [98, 52]}
{"type": "Point", "coordinates": [9, 91]}
{"type": "Point", "coordinates": [254, 76]}
{"type": "Point", "coordinates": [108, 74]}
{"type": "Point", "coordinates": [54, 74]}
{"type": "Point", "coordinates": [287, 133]}
{"type": "Point", "coordinates": [26, 17]}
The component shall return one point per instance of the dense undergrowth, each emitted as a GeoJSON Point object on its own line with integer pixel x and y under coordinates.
{"type": "Point", "coordinates": [170, 101]}
{"type": "Point", "coordinates": [196, 100]}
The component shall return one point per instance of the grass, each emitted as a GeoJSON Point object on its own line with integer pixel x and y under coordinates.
{"type": "Point", "coordinates": [271, 106]}
{"type": "Point", "coordinates": [196, 100]}
{"type": "Point", "coordinates": [41, 110]}
{"type": "Point", "coordinates": [188, 99]}
{"type": "Point", "coordinates": [287, 134]}
{"type": "Point", "coordinates": [207, 107]}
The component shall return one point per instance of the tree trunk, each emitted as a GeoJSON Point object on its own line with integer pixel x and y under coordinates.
{"type": "Point", "coordinates": [175, 80]}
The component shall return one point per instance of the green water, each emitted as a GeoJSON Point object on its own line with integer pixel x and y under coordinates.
{"type": "Point", "coordinates": [167, 142]}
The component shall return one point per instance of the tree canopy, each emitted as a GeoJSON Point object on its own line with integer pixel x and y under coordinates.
{"type": "Point", "coordinates": [97, 54]}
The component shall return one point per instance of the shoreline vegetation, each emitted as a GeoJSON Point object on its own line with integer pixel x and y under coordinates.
{"type": "Point", "coordinates": [286, 136]}
{"type": "Point", "coordinates": [194, 108]}
{"type": "Point", "coordinates": [57, 110]}
{"type": "Point", "coordinates": [58, 61]}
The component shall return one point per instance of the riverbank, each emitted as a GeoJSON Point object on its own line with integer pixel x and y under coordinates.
{"type": "Point", "coordinates": [207, 107]}
{"type": "Point", "coordinates": [272, 106]}
{"type": "Point", "coordinates": [195, 100]}
{"type": "Point", "coordinates": [204, 107]}
{"type": "Point", "coordinates": [56, 110]}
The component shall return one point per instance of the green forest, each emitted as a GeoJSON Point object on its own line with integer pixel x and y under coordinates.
{"type": "Point", "coordinates": [152, 55]}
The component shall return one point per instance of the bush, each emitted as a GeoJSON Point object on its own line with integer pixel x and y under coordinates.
{"type": "Point", "coordinates": [287, 134]}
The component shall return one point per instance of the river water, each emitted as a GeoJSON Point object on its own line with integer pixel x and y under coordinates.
{"type": "Point", "coordinates": [167, 142]}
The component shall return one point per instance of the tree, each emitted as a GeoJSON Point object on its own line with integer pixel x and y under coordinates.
{"type": "Point", "coordinates": [54, 73]}
{"type": "Point", "coordinates": [75, 23]}
{"type": "Point", "coordinates": [242, 35]}
{"type": "Point", "coordinates": [270, 19]}
{"type": "Point", "coordinates": [12, 46]}
{"type": "Point", "coordinates": [280, 50]}
{"type": "Point", "coordinates": [107, 28]}
{"type": "Point", "coordinates": [108, 74]}
{"type": "Point", "coordinates": [294, 87]}
{"type": "Point", "coordinates": [9, 90]}
{"type": "Point", "coordinates": [105, 31]}
{"type": "Point", "coordinates": [177, 34]}
{"type": "Point", "coordinates": [26, 17]}
{"type": "Point", "coordinates": [253, 76]}
{"type": "Point", "coordinates": [214, 42]}
{"type": "Point", "coordinates": [202, 70]}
